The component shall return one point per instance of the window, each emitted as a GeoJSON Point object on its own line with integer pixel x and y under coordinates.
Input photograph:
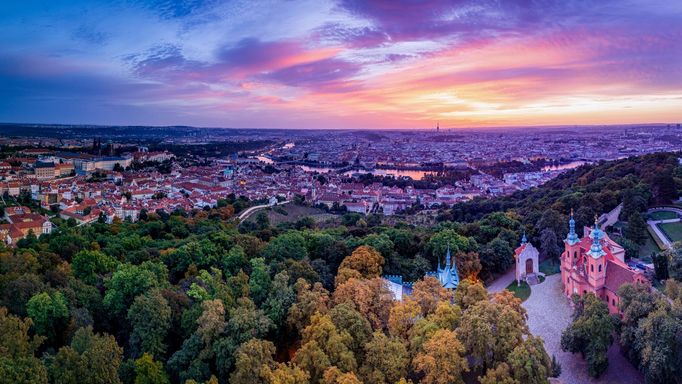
{"type": "Point", "coordinates": [613, 302]}
{"type": "Point", "coordinates": [592, 268]}
{"type": "Point", "coordinates": [599, 267]}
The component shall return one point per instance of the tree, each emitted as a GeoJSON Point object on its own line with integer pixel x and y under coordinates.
{"type": "Point", "coordinates": [371, 298]}
{"type": "Point", "coordinates": [590, 333]}
{"type": "Point", "coordinates": [148, 371]}
{"type": "Point", "coordinates": [500, 375]}
{"type": "Point", "coordinates": [661, 344]}
{"type": "Point", "coordinates": [245, 322]}
{"type": "Point", "coordinates": [289, 245]}
{"type": "Point", "coordinates": [529, 361]}
{"type": "Point", "coordinates": [549, 243]}
{"type": "Point", "coordinates": [89, 265]}
{"type": "Point", "coordinates": [403, 315]}
{"type": "Point", "coordinates": [279, 300]}
{"type": "Point", "coordinates": [449, 238]}
{"type": "Point", "coordinates": [490, 331]}
{"type": "Point", "coordinates": [496, 256]}
{"type": "Point", "coordinates": [234, 261]}
{"type": "Point", "coordinates": [442, 361]}
{"type": "Point", "coordinates": [309, 300]}
{"type": "Point", "coordinates": [253, 362]}
{"type": "Point", "coordinates": [346, 318]}
{"type": "Point", "coordinates": [675, 261]}
{"type": "Point", "coordinates": [385, 361]}
{"type": "Point", "coordinates": [289, 374]}
{"type": "Point", "coordinates": [262, 220]}
{"type": "Point", "coordinates": [18, 363]}
{"type": "Point", "coordinates": [150, 318]}
{"type": "Point", "coordinates": [469, 292]}
{"type": "Point", "coordinates": [661, 265]}
{"type": "Point", "coordinates": [636, 303]}
{"type": "Point", "coordinates": [323, 346]}
{"type": "Point", "coordinates": [259, 280]}
{"type": "Point", "coordinates": [365, 262]}
{"type": "Point", "coordinates": [50, 314]}
{"type": "Point", "coordinates": [90, 359]}
{"type": "Point", "coordinates": [468, 264]}
{"type": "Point", "coordinates": [428, 292]}
{"type": "Point", "coordinates": [636, 229]}
{"type": "Point", "coordinates": [333, 375]}
{"type": "Point", "coordinates": [129, 281]}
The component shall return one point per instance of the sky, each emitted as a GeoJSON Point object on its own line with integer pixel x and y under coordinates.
{"type": "Point", "coordinates": [341, 63]}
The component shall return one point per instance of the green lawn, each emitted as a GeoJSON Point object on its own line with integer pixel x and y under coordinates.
{"type": "Point", "coordinates": [663, 215]}
{"type": "Point", "coordinates": [649, 247]}
{"type": "Point", "coordinates": [522, 291]}
{"type": "Point", "coordinates": [550, 266]}
{"type": "Point", "coordinates": [673, 230]}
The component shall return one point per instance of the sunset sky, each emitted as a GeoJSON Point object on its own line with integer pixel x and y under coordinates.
{"type": "Point", "coordinates": [341, 64]}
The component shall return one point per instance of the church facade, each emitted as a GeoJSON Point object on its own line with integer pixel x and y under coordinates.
{"type": "Point", "coordinates": [526, 258]}
{"type": "Point", "coordinates": [595, 264]}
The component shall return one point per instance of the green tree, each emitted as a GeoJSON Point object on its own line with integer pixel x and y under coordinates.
{"type": "Point", "coordinates": [590, 333]}
{"type": "Point", "coordinates": [262, 220]}
{"type": "Point", "coordinates": [253, 362]}
{"type": "Point", "coordinates": [50, 314]}
{"type": "Point", "coordinates": [490, 331]}
{"type": "Point", "coordinates": [449, 238]}
{"type": "Point", "coordinates": [323, 346]}
{"type": "Point", "coordinates": [500, 375]}
{"type": "Point", "coordinates": [129, 281]}
{"type": "Point", "coordinates": [148, 371]}
{"type": "Point", "coordinates": [90, 359]}
{"type": "Point", "coordinates": [346, 318]}
{"type": "Point", "coordinates": [289, 245]}
{"type": "Point", "coordinates": [549, 243]}
{"type": "Point", "coordinates": [496, 256]}
{"type": "Point", "coordinates": [636, 229]}
{"type": "Point", "coordinates": [90, 265]}
{"type": "Point", "coordinates": [661, 344]}
{"type": "Point", "coordinates": [18, 363]}
{"type": "Point", "coordinates": [529, 361]}
{"type": "Point", "coordinates": [636, 303]}
{"type": "Point", "coordinates": [661, 265]}
{"type": "Point", "coordinates": [259, 280]}
{"type": "Point", "coordinates": [150, 318]}
{"type": "Point", "coordinates": [675, 261]}
{"type": "Point", "coordinates": [280, 299]}
{"type": "Point", "coordinates": [385, 360]}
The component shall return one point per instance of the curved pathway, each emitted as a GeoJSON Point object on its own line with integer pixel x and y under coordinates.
{"type": "Point", "coordinates": [248, 212]}
{"type": "Point", "coordinates": [549, 313]}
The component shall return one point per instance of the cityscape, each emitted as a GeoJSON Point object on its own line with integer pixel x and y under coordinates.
{"type": "Point", "coordinates": [341, 192]}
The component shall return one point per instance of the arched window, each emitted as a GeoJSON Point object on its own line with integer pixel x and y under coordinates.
{"type": "Point", "coordinates": [599, 267]}
{"type": "Point", "coordinates": [592, 268]}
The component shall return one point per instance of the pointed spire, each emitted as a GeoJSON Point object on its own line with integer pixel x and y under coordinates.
{"type": "Point", "coordinates": [524, 240]}
{"type": "Point", "coordinates": [447, 258]}
{"type": "Point", "coordinates": [572, 237]}
{"type": "Point", "coordinates": [597, 234]}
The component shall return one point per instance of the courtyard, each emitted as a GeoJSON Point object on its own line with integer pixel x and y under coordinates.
{"type": "Point", "coordinates": [549, 313]}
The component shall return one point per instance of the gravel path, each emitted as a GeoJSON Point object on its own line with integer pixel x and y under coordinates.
{"type": "Point", "coordinates": [502, 282]}
{"type": "Point", "coordinates": [549, 313]}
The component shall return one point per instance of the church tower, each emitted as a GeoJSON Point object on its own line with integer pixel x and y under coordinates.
{"type": "Point", "coordinates": [595, 268]}
{"type": "Point", "coordinates": [572, 246]}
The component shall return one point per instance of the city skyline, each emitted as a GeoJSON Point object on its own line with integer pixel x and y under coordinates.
{"type": "Point", "coordinates": [341, 64]}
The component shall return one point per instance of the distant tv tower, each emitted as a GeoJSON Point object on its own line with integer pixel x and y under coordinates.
{"type": "Point", "coordinates": [437, 126]}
